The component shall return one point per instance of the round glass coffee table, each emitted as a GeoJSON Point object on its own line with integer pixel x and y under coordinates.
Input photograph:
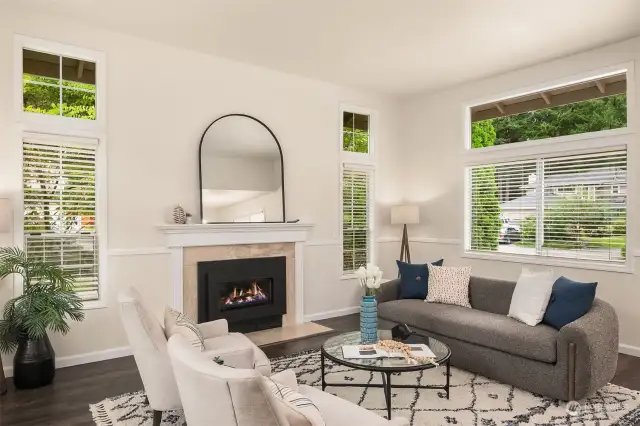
{"type": "Point", "coordinates": [332, 350]}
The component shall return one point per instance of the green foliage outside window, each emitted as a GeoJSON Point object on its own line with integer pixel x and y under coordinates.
{"type": "Point", "coordinates": [355, 132]}
{"type": "Point", "coordinates": [582, 117]}
{"type": "Point", "coordinates": [42, 95]}
{"type": "Point", "coordinates": [575, 223]}
{"type": "Point", "coordinates": [485, 215]}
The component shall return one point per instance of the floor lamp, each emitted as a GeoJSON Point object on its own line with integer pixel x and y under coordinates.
{"type": "Point", "coordinates": [405, 215]}
{"type": "Point", "coordinates": [5, 228]}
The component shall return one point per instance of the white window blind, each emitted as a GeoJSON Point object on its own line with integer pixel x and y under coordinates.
{"type": "Point", "coordinates": [59, 191]}
{"type": "Point", "coordinates": [356, 219]}
{"type": "Point", "coordinates": [560, 206]}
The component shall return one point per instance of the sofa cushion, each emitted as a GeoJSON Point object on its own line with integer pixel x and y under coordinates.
{"type": "Point", "coordinates": [474, 326]}
{"type": "Point", "coordinates": [490, 295]}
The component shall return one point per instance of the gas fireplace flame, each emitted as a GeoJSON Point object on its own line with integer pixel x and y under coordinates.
{"type": "Point", "coordinates": [241, 296]}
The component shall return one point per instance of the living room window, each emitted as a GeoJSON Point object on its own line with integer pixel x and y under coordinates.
{"type": "Point", "coordinates": [59, 85]}
{"type": "Point", "coordinates": [60, 104]}
{"type": "Point", "coordinates": [357, 173]}
{"type": "Point", "coordinates": [356, 218]}
{"type": "Point", "coordinates": [60, 209]}
{"type": "Point", "coordinates": [546, 175]}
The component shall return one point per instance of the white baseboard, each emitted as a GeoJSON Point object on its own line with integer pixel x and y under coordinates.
{"type": "Point", "coordinates": [70, 361]}
{"type": "Point", "coordinates": [629, 350]}
{"type": "Point", "coordinates": [332, 314]}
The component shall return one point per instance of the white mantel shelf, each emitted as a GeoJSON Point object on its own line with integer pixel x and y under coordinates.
{"type": "Point", "coordinates": [234, 233]}
{"type": "Point", "coordinates": [180, 236]}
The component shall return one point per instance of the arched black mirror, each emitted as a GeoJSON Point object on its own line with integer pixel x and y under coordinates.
{"type": "Point", "coordinates": [241, 172]}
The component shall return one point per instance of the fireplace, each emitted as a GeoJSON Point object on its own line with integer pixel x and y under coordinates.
{"type": "Point", "coordinates": [249, 293]}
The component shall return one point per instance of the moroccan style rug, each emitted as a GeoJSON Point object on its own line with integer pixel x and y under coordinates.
{"type": "Point", "coordinates": [475, 400]}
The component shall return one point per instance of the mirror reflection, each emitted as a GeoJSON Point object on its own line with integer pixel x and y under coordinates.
{"type": "Point", "coordinates": [240, 172]}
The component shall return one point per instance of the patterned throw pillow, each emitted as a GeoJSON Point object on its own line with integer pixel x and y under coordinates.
{"type": "Point", "coordinates": [178, 323]}
{"type": "Point", "coordinates": [450, 285]}
{"type": "Point", "coordinates": [297, 408]}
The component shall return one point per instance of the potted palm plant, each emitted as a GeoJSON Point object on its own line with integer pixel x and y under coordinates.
{"type": "Point", "coordinates": [47, 303]}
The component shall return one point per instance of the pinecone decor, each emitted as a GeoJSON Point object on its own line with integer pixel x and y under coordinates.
{"type": "Point", "coordinates": [179, 215]}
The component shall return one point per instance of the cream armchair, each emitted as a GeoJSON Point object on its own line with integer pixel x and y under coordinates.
{"type": "Point", "coordinates": [149, 345]}
{"type": "Point", "coordinates": [214, 394]}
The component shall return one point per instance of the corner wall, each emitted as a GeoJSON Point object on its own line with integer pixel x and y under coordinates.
{"type": "Point", "coordinates": [432, 131]}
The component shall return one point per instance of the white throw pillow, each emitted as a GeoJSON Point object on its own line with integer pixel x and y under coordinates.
{"type": "Point", "coordinates": [531, 296]}
{"type": "Point", "coordinates": [449, 284]}
{"type": "Point", "coordinates": [297, 408]}
{"type": "Point", "coordinates": [178, 323]}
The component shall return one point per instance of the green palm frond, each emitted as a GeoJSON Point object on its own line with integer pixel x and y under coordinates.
{"type": "Point", "coordinates": [48, 301]}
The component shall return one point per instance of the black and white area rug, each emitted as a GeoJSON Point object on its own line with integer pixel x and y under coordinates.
{"type": "Point", "coordinates": [475, 400]}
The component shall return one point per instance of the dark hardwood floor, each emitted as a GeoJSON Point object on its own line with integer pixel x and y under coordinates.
{"type": "Point", "coordinates": [66, 402]}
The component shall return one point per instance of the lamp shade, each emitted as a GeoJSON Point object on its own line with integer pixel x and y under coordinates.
{"type": "Point", "coordinates": [405, 215]}
{"type": "Point", "coordinates": [5, 215]}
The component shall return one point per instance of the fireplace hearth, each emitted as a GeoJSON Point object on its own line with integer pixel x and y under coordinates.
{"type": "Point", "coordinates": [249, 293]}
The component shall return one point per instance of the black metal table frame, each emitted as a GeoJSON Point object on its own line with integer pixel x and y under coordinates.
{"type": "Point", "coordinates": [386, 377]}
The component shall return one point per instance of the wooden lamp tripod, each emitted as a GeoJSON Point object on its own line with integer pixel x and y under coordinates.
{"type": "Point", "coordinates": [405, 215]}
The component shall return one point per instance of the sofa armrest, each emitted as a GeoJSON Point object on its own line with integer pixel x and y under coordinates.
{"type": "Point", "coordinates": [595, 336]}
{"type": "Point", "coordinates": [388, 291]}
{"type": "Point", "coordinates": [214, 328]}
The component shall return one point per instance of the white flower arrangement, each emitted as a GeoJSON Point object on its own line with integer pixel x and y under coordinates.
{"type": "Point", "coordinates": [369, 278]}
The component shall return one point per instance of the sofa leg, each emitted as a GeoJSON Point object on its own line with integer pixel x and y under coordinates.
{"type": "Point", "coordinates": [157, 417]}
{"type": "Point", "coordinates": [572, 371]}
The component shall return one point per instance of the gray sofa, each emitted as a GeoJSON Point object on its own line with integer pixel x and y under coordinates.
{"type": "Point", "coordinates": [569, 364]}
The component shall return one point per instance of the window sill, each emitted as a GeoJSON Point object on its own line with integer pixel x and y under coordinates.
{"type": "Point", "coordinates": [344, 277]}
{"type": "Point", "coordinates": [94, 304]}
{"type": "Point", "coordinates": [624, 268]}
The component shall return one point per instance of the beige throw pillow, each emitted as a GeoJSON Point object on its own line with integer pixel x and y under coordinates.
{"type": "Point", "coordinates": [297, 408]}
{"type": "Point", "coordinates": [178, 323]}
{"type": "Point", "coordinates": [449, 284]}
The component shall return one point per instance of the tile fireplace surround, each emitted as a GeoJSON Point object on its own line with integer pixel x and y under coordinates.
{"type": "Point", "coordinates": [190, 244]}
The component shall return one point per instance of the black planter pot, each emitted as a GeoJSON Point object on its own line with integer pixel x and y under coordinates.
{"type": "Point", "coordinates": [34, 364]}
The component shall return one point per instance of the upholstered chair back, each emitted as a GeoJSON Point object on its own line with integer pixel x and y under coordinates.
{"type": "Point", "coordinates": [215, 394]}
{"type": "Point", "coordinates": [149, 345]}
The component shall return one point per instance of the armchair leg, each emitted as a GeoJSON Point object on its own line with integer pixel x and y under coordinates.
{"type": "Point", "coordinates": [572, 371]}
{"type": "Point", "coordinates": [157, 417]}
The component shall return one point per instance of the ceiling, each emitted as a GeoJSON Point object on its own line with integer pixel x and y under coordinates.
{"type": "Point", "coordinates": [395, 47]}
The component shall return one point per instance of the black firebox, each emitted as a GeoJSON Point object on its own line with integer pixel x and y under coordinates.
{"type": "Point", "coordinates": [249, 293]}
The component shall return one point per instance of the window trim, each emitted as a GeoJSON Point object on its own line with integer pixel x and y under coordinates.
{"type": "Point", "coordinates": [622, 138]}
{"type": "Point", "coordinates": [56, 129]}
{"type": "Point", "coordinates": [626, 67]}
{"type": "Point", "coordinates": [358, 157]}
{"type": "Point", "coordinates": [54, 122]}
{"type": "Point", "coordinates": [358, 161]}
{"type": "Point", "coordinates": [101, 205]}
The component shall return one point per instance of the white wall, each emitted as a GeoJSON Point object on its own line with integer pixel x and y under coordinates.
{"type": "Point", "coordinates": [433, 136]}
{"type": "Point", "coordinates": [160, 99]}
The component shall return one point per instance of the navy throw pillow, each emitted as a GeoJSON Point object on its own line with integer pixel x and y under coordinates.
{"type": "Point", "coordinates": [569, 301]}
{"type": "Point", "coordinates": [414, 279]}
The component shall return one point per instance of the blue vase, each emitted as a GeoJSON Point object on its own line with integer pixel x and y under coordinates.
{"type": "Point", "coordinates": [369, 319]}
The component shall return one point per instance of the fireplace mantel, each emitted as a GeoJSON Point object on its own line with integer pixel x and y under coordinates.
{"type": "Point", "coordinates": [180, 237]}
{"type": "Point", "coordinates": [234, 233]}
